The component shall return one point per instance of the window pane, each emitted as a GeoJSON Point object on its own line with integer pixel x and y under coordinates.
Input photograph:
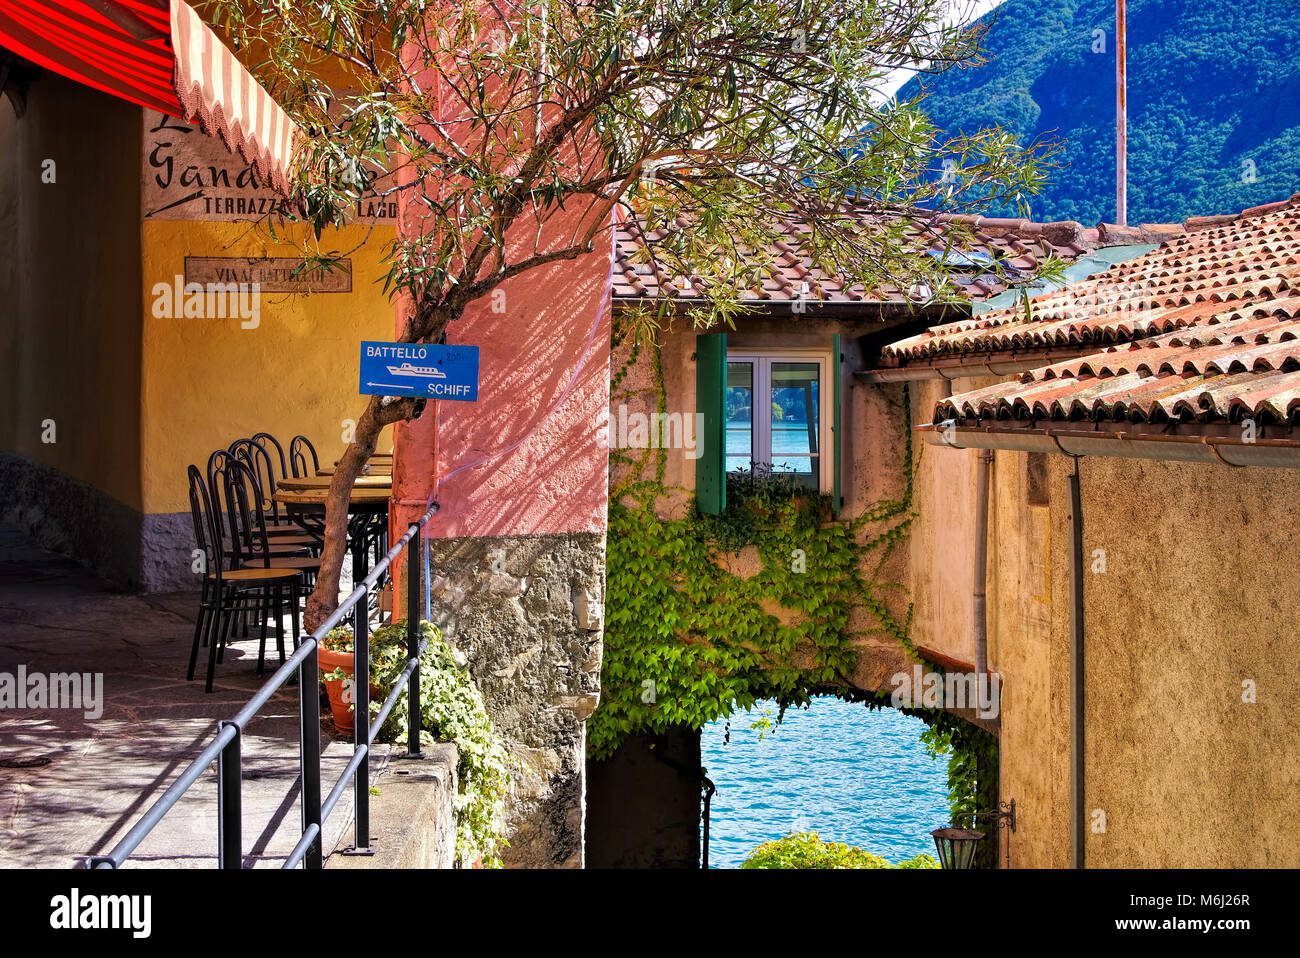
{"type": "Point", "coordinates": [740, 418]}
{"type": "Point", "coordinates": [795, 420]}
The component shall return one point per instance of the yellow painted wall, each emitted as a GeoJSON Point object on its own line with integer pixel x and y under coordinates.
{"type": "Point", "coordinates": [69, 286]}
{"type": "Point", "coordinates": [207, 382]}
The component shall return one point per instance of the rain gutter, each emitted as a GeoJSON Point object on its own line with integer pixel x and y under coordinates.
{"type": "Point", "coordinates": [1121, 440]}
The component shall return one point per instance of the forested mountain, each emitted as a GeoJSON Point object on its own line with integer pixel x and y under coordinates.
{"type": "Point", "coordinates": [1214, 102]}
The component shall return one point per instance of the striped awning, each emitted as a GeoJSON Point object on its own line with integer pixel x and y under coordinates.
{"type": "Point", "coordinates": [161, 55]}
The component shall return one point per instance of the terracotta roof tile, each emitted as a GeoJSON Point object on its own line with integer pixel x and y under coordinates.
{"type": "Point", "coordinates": [1221, 345]}
{"type": "Point", "coordinates": [1015, 245]}
{"type": "Point", "coordinates": [1218, 264]}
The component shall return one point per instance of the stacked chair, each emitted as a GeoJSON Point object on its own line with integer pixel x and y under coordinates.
{"type": "Point", "coordinates": [299, 449]}
{"type": "Point", "coordinates": [259, 564]}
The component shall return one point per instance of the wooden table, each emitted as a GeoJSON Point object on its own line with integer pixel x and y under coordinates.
{"type": "Point", "coordinates": [369, 469]}
{"type": "Point", "coordinates": [307, 483]}
{"type": "Point", "coordinates": [367, 513]}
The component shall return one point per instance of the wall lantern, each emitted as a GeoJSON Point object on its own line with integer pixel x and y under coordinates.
{"type": "Point", "coordinates": [957, 846]}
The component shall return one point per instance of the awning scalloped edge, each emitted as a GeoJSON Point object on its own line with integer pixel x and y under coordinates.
{"type": "Point", "coordinates": [217, 91]}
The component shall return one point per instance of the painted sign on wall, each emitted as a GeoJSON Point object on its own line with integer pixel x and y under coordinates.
{"type": "Point", "coordinates": [419, 369]}
{"type": "Point", "coordinates": [188, 175]}
{"type": "Point", "coordinates": [273, 274]}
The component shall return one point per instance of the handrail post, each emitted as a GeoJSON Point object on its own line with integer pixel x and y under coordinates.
{"type": "Point", "coordinates": [229, 812]}
{"type": "Point", "coordinates": [413, 717]}
{"type": "Point", "coordinates": [361, 718]}
{"type": "Point", "coordinates": [309, 753]}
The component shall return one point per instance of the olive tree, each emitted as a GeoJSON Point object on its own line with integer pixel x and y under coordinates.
{"type": "Point", "coordinates": [716, 122]}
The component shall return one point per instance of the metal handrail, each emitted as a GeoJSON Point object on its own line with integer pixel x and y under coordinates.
{"type": "Point", "coordinates": [225, 747]}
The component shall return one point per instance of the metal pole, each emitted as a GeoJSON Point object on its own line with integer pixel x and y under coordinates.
{"type": "Point", "coordinates": [1078, 814]}
{"type": "Point", "coordinates": [309, 752]}
{"type": "Point", "coordinates": [361, 718]}
{"type": "Point", "coordinates": [1121, 113]}
{"type": "Point", "coordinates": [709, 789]}
{"type": "Point", "coordinates": [413, 557]}
{"type": "Point", "coordinates": [229, 813]}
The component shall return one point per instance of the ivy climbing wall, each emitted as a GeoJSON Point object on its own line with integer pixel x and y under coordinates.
{"type": "Point", "coordinates": [776, 598]}
{"type": "Point", "coordinates": [772, 599]}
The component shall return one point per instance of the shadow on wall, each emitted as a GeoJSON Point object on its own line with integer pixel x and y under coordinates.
{"type": "Point", "coordinates": [556, 479]}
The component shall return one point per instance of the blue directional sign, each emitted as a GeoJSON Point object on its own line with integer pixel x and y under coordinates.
{"type": "Point", "coordinates": [419, 369]}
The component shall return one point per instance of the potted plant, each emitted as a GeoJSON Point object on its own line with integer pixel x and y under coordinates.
{"type": "Point", "coordinates": [335, 654]}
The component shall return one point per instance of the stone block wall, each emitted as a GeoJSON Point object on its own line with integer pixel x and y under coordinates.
{"type": "Point", "coordinates": [526, 613]}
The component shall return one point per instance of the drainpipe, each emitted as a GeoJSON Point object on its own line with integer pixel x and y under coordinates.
{"type": "Point", "coordinates": [1078, 817]}
{"type": "Point", "coordinates": [980, 580]}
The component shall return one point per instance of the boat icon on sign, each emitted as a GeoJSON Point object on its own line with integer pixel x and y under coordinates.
{"type": "Point", "coordinates": [427, 372]}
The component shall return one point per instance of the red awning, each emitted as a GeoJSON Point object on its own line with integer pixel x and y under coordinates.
{"type": "Point", "coordinates": [161, 55]}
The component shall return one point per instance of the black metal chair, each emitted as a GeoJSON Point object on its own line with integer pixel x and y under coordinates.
{"type": "Point", "coordinates": [228, 590]}
{"type": "Point", "coordinates": [259, 459]}
{"type": "Point", "coordinates": [299, 449]}
{"type": "Point", "coordinates": [284, 539]}
{"type": "Point", "coordinates": [253, 548]}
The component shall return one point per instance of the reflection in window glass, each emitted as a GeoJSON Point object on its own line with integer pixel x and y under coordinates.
{"type": "Point", "coordinates": [795, 420]}
{"type": "Point", "coordinates": [740, 416]}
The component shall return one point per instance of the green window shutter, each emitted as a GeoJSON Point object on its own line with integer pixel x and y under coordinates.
{"type": "Point", "coordinates": [710, 399]}
{"type": "Point", "coordinates": [837, 500]}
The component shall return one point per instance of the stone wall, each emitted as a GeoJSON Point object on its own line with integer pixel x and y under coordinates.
{"type": "Point", "coordinates": [526, 613]}
{"type": "Point", "coordinates": [73, 518]}
{"type": "Point", "coordinates": [412, 813]}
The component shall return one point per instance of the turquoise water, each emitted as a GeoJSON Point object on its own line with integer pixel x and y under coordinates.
{"type": "Point", "coordinates": [788, 439]}
{"type": "Point", "coordinates": [840, 769]}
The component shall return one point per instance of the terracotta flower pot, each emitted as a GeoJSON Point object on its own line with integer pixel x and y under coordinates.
{"type": "Point", "coordinates": [334, 688]}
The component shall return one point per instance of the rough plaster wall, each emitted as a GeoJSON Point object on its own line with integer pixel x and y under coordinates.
{"type": "Point", "coordinates": [873, 424]}
{"type": "Point", "coordinates": [1028, 652]}
{"type": "Point", "coordinates": [1027, 613]}
{"type": "Point", "coordinates": [206, 382]}
{"type": "Point", "coordinates": [1194, 600]}
{"type": "Point", "coordinates": [1188, 607]}
{"type": "Point", "coordinates": [637, 393]}
{"type": "Point", "coordinates": [76, 299]}
{"type": "Point", "coordinates": [532, 636]}
{"type": "Point", "coordinates": [70, 326]}
{"type": "Point", "coordinates": [942, 536]}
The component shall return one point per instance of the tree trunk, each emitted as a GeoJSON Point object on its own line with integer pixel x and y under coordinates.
{"type": "Point", "coordinates": [426, 324]}
{"type": "Point", "coordinates": [380, 412]}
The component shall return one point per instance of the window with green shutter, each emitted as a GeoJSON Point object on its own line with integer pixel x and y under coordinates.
{"type": "Point", "coordinates": [769, 408]}
{"type": "Point", "coordinates": [710, 386]}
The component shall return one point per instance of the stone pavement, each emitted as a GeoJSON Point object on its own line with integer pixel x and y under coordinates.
{"type": "Point", "coordinates": [72, 785]}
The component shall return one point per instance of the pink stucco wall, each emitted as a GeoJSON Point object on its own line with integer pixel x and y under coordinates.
{"type": "Point", "coordinates": [530, 456]}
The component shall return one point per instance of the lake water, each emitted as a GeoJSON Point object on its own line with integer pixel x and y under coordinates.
{"type": "Point", "coordinates": [789, 439]}
{"type": "Point", "coordinates": [839, 769]}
